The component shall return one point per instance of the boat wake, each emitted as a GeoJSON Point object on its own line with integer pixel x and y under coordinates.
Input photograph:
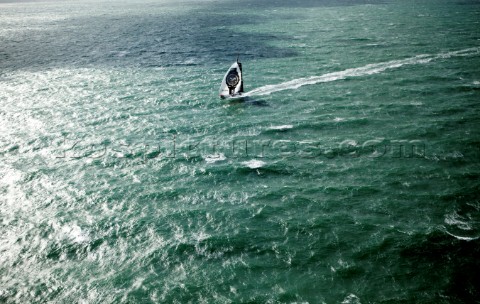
{"type": "Point", "coordinates": [368, 69]}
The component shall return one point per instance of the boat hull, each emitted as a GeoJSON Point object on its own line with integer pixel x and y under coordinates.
{"type": "Point", "coordinates": [232, 83]}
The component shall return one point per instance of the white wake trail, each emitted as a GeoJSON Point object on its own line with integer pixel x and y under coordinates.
{"type": "Point", "coordinates": [368, 69]}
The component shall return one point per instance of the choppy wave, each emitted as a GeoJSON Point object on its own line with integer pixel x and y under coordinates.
{"type": "Point", "coordinates": [369, 69]}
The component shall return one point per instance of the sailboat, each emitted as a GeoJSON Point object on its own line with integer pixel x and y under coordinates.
{"type": "Point", "coordinates": [232, 83]}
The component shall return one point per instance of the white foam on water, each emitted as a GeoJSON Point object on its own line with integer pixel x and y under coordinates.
{"type": "Point", "coordinates": [210, 159]}
{"type": "Point", "coordinates": [369, 69]}
{"type": "Point", "coordinates": [463, 238]}
{"type": "Point", "coordinates": [351, 299]}
{"type": "Point", "coordinates": [282, 127]}
{"type": "Point", "coordinates": [254, 163]}
{"type": "Point", "coordinates": [461, 227]}
{"type": "Point", "coordinates": [74, 233]}
{"type": "Point", "coordinates": [456, 220]}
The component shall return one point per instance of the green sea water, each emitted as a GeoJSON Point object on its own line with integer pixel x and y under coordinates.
{"type": "Point", "coordinates": [348, 174]}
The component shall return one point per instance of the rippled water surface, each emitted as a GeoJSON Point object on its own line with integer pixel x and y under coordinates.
{"type": "Point", "coordinates": [349, 173]}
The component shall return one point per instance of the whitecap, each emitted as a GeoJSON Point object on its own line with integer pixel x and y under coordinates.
{"type": "Point", "coordinates": [462, 227]}
{"type": "Point", "coordinates": [75, 234]}
{"type": "Point", "coordinates": [254, 163]}
{"type": "Point", "coordinates": [213, 158]}
{"type": "Point", "coordinates": [280, 128]}
{"type": "Point", "coordinates": [349, 143]}
{"type": "Point", "coordinates": [351, 299]}
{"type": "Point", "coordinates": [455, 219]}
{"type": "Point", "coordinates": [463, 238]}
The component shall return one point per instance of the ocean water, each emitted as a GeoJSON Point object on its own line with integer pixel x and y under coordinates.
{"type": "Point", "coordinates": [350, 173]}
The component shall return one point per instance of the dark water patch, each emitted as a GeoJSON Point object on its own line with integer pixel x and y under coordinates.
{"type": "Point", "coordinates": [380, 250]}
{"type": "Point", "coordinates": [451, 111]}
{"type": "Point", "coordinates": [362, 192]}
{"type": "Point", "coordinates": [456, 152]}
{"type": "Point", "coordinates": [157, 39]}
{"type": "Point", "coordinates": [350, 272]}
{"type": "Point", "coordinates": [452, 264]}
{"type": "Point", "coordinates": [402, 112]}
{"type": "Point", "coordinates": [454, 124]}
{"type": "Point", "coordinates": [459, 89]}
{"type": "Point", "coordinates": [468, 2]}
